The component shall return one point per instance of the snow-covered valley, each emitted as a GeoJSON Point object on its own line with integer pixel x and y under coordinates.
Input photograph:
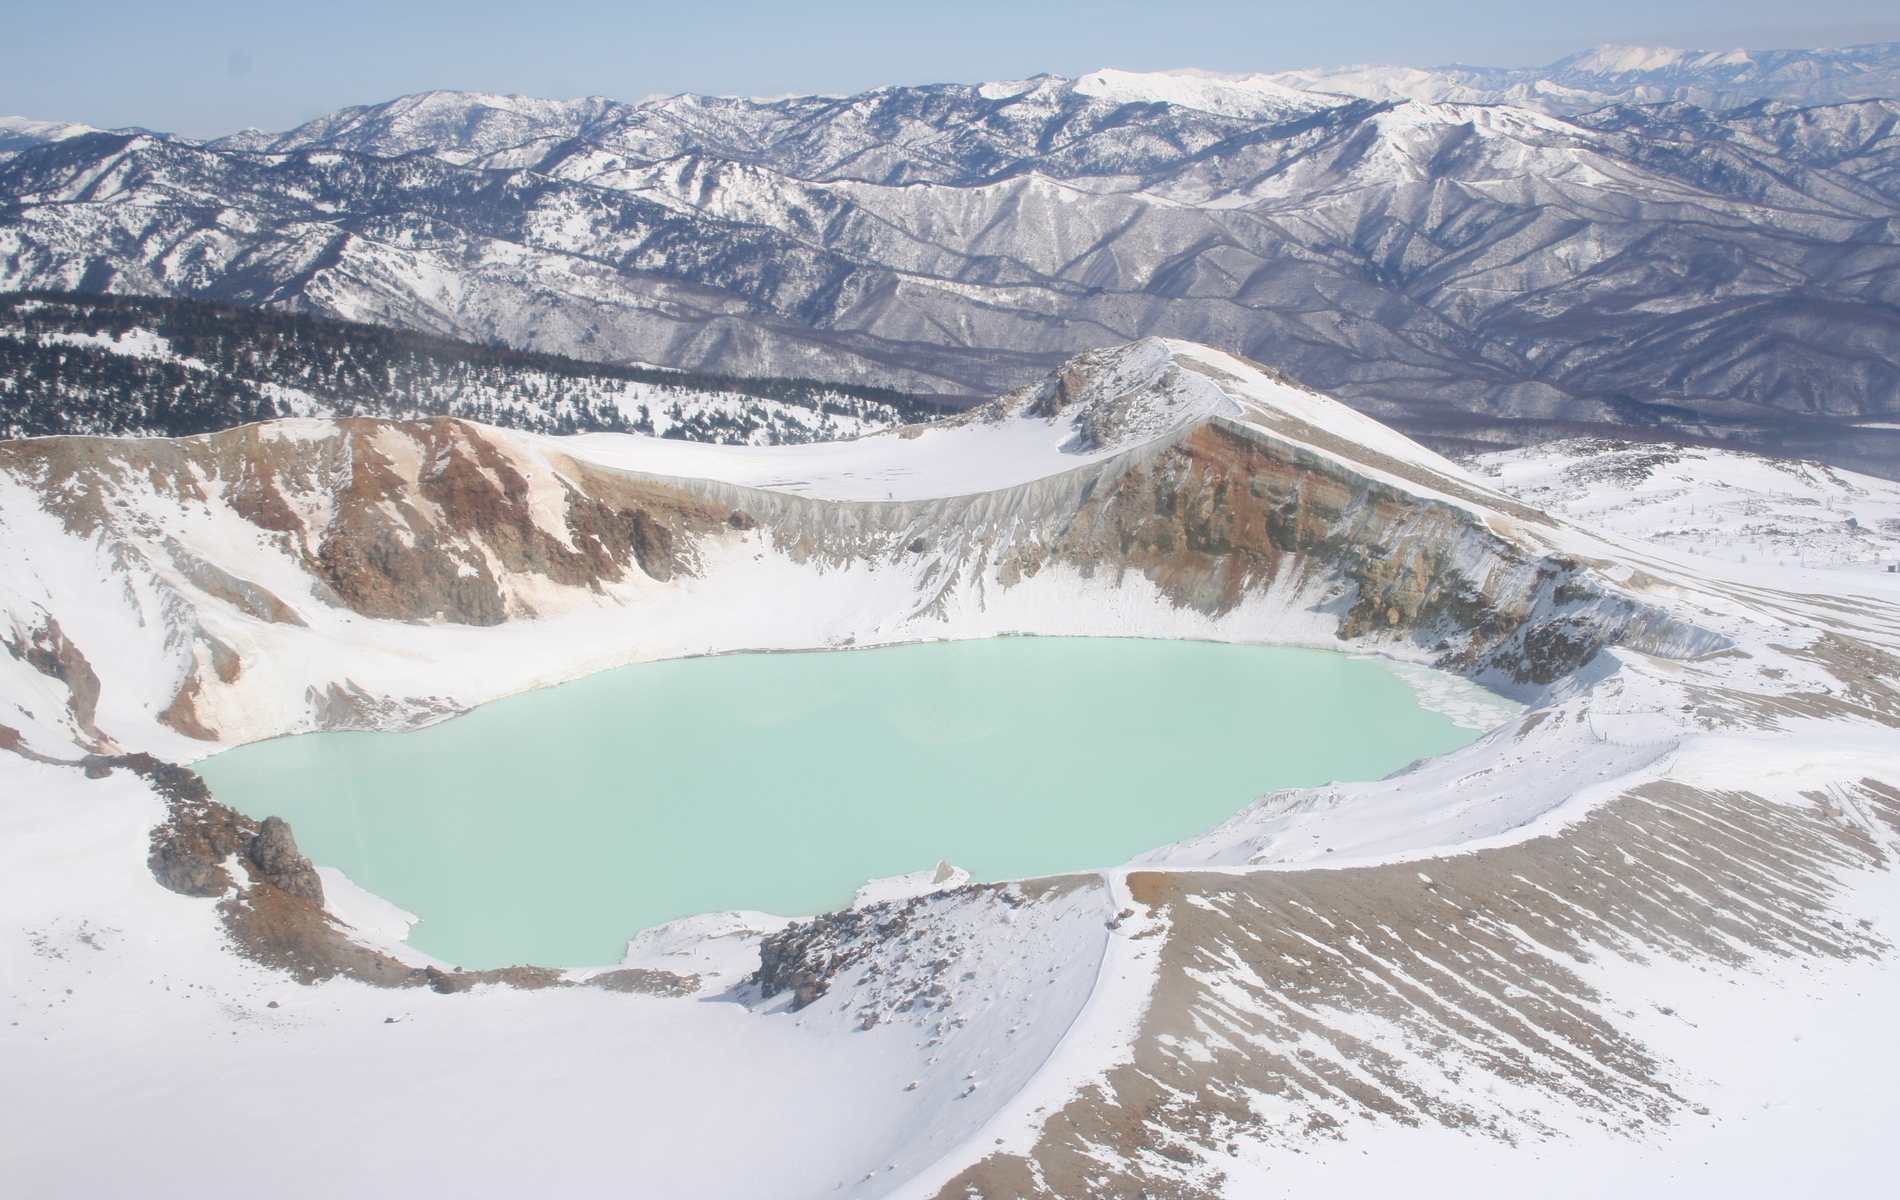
{"type": "Point", "coordinates": [1529, 950]}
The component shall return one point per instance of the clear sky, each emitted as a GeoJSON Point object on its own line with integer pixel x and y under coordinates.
{"type": "Point", "coordinates": [202, 67]}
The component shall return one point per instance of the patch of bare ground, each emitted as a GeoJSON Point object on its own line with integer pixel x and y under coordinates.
{"type": "Point", "coordinates": [1290, 1003]}
{"type": "Point", "coordinates": [1868, 680]}
{"type": "Point", "coordinates": [1870, 677]}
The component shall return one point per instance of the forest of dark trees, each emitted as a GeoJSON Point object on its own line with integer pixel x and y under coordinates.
{"type": "Point", "coordinates": [53, 386]}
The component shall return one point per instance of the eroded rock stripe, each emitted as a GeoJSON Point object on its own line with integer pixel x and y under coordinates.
{"type": "Point", "coordinates": [1293, 1002]}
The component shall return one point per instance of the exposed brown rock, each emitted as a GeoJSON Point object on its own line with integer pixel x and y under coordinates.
{"type": "Point", "coordinates": [382, 555]}
{"type": "Point", "coordinates": [252, 599]}
{"type": "Point", "coordinates": [271, 927]}
{"type": "Point", "coordinates": [190, 848]}
{"type": "Point", "coordinates": [526, 978]}
{"type": "Point", "coordinates": [12, 742]}
{"type": "Point", "coordinates": [254, 491]}
{"type": "Point", "coordinates": [275, 913]}
{"type": "Point", "coordinates": [182, 713]}
{"type": "Point", "coordinates": [1299, 430]}
{"type": "Point", "coordinates": [48, 651]}
{"type": "Point", "coordinates": [1225, 512]}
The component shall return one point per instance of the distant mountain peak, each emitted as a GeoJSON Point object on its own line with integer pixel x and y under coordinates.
{"type": "Point", "coordinates": [18, 133]}
{"type": "Point", "coordinates": [1618, 58]}
{"type": "Point", "coordinates": [1253, 96]}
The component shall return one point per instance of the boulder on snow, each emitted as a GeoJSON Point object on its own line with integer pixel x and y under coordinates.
{"type": "Point", "coordinates": [274, 851]}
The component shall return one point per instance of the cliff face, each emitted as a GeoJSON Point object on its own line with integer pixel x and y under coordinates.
{"type": "Point", "coordinates": [1160, 471]}
{"type": "Point", "coordinates": [399, 520]}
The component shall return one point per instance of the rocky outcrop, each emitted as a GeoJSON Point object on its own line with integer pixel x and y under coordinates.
{"type": "Point", "coordinates": [807, 957]}
{"type": "Point", "coordinates": [273, 851]}
{"type": "Point", "coordinates": [429, 520]}
{"type": "Point", "coordinates": [644, 981]}
{"type": "Point", "coordinates": [190, 850]}
{"type": "Point", "coordinates": [249, 598]}
{"type": "Point", "coordinates": [47, 650]}
{"type": "Point", "coordinates": [273, 912]}
{"type": "Point", "coordinates": [632, 981]}
{"type": "Point", "coordinates": [193, 850]}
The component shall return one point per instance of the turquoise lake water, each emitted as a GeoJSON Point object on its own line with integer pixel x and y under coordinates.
{"type": "Point", "coordinates": [550, 826]}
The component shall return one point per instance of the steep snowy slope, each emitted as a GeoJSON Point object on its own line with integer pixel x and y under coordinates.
{"type": "Point", "coordinates": [1518, 949]}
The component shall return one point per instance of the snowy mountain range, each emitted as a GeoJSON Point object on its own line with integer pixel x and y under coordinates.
{"type": "Point", "coordinates": [1637, 939]}
{"type": "Point", "coordinates": [1472, 272]}
{"type": "Point", "coordinates": [1632, 74]}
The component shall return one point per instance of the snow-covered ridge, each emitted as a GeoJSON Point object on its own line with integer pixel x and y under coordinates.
{"type": "Point", "coordinates": [1102, 404]}
{"type": "Point", "coordinates": [19, 133]}
{"type": "Point", "coordinates": [1105, 403]}
{"type": "Point", "coordinates": [1259, 97]}
{"type": "Point", "coordinates": [1628, 73]}
{"type": "Point", "coordinates": [1615, 59]}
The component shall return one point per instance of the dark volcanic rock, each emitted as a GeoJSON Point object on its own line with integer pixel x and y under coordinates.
{"type": "Point", "coordinates": [803, 958]}
{"type": "Point", "coordinates": [274, 850]}
{"type": "Point", "coordinates": [189, 850]}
